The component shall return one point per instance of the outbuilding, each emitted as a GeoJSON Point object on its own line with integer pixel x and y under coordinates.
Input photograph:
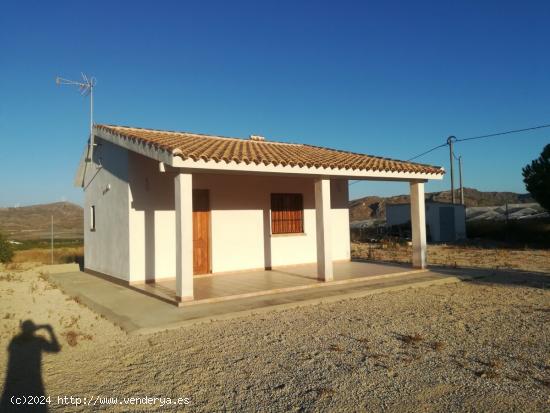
{"type": "Point", "coordinates": [445, 222]}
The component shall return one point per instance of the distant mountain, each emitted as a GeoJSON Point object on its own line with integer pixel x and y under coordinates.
{"type": "Point", "coordinates": [33, 222]}
{"type": "Point", "coordinates": [375, 206]}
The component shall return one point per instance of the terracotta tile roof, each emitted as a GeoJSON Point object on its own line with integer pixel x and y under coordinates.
{"type": "Point", "coordinates": [195, 146]}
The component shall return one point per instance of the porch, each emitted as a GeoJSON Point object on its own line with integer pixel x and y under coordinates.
{"type": "Point", "coordinates": [325, 232]}
{"type": "Point", "coordinates": [245, 284]}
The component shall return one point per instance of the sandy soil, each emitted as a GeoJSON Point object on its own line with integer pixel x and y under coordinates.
{"type": "Point", "coordinates": [536, 260]}
{"type": "Point", "coordinates": [475, 346]}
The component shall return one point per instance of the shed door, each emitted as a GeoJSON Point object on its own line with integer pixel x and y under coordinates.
{"type": "Point", "coordinates": [446, 224]}
{"type": "Point", "coordinates": [201, 231]}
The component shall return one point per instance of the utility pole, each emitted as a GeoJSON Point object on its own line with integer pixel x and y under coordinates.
{"type": "Point", "coordinates": [51, 241]}
{"type": "Point", "coordinates": [450, 141]}
{"type": "Point", "coordinates": [460, 179]}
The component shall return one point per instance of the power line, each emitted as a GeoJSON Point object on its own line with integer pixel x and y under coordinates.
{"type": "Point", "coordinates": [427, 152]}
{"type": "Point", "coordinates": [481, 137]}
{"type": "Point", "coordinates": [470, 139]}
{"type": "Point", "coordinates": [504, 133]}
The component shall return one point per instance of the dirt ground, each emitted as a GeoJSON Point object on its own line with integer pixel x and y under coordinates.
{"type": "Point", "coordinates": [536, 260]}
{"type": "Point", "coordinates": [482, 345]}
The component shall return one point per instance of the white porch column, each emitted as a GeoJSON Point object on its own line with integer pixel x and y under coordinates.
{"type": "Point", "coordinates": [184, 236]}
{"type": "Point", "coordinates": [323, 221]}
{"type": "Point", "coordinates": [418, 224]}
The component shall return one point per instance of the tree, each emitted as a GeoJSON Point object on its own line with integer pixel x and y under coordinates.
{"type": "Point", "coordinates": [537, 178]}
{"type": "Point", "coordinates": [6, 250]}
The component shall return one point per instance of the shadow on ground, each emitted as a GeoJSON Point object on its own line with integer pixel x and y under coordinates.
{"type": "Point", "coordinates": [24, 375]}
{"type": "Point", "coordinates": [486, 276]}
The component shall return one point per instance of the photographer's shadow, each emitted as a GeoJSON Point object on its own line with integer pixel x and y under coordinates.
{"type": "Point", "coordinates": [24, 375]}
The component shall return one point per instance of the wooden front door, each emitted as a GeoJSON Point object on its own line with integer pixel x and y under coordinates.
{"type": "Point", "coordinates": [201, 231]}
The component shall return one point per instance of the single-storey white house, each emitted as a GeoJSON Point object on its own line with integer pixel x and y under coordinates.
{"type": "Point", "coordinates": [445, 222]}
{"type": "Point", "coordinates": [161, 204]}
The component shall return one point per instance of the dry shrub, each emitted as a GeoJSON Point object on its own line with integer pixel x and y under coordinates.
{"type": "Point", "coordinates": [487, 374]}
{"type": "Point", "coordinates": [75, 299]}
{"type": "Point", "coordinates": [335, 347]}
{"type": "Point", "coordinates": [438, 345]}
{"type": "Point", "coordinates": [325, 392]}
{"type": "Point", "coordinates": [33, 287]}
{"type": "Point", "coordinates": [543, 382]}
{"type": "Point", "coordinates": [70, 323]}
{"type": "Point", "coordinates": [10, 277]}
{"type": "Point", "coordinates": [411, 339]}
{"type": "Point", "coordinates": [72, 337]}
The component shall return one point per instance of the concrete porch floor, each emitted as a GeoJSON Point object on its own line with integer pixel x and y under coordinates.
{"type": "Point", "coordinates": [242, 284]}
{"type": "Point", "coordinates": [138, 313]}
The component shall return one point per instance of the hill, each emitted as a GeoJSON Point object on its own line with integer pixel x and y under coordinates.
{"type": "Point", "coordinates": [33, 222]}
{"type": "Point", "coordinates": [375, 207]}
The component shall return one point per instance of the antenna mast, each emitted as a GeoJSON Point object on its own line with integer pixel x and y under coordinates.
{"type": "Point", "coordinates": [85, 87]}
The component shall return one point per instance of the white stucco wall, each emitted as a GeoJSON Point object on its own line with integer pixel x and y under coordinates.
{"type": "Point", "coordinates": [106, 249]}
{"type": "Point", "coordinates": [240, 221]}
{"type": "Point", "coordinates": [152, 220]}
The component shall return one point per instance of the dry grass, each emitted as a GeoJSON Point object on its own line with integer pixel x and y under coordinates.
{"type": "Point", "coordinates": [537, 260]}
{"type": "Point", "coordinates": [43, 255]}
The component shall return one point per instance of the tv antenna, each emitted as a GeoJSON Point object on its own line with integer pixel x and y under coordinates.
{"type": "Point", "coordinates": [86, 88]}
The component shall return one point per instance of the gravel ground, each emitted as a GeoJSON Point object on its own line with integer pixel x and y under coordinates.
{"type": "Point", "coordinates": [474, 346]}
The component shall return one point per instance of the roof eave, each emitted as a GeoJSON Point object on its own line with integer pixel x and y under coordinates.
{"type": "Point", "coordinates": [149, 150]}
{"type": "Point", "coordinates": [242, 167]}
{"type": "Point", "coordinates": [176, 159]}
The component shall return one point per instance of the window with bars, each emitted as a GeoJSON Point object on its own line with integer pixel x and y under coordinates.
{"type": "Point", "coordinates": [287, 214]}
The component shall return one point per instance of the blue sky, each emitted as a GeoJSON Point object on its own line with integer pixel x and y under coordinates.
{"type": "Point", "coordinates": [383, 78]}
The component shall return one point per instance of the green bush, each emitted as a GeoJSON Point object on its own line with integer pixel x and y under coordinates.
{"type": "Point", "coordinates": [6, 250]}
{"type": "Point", "coordinates": [537, 178]}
